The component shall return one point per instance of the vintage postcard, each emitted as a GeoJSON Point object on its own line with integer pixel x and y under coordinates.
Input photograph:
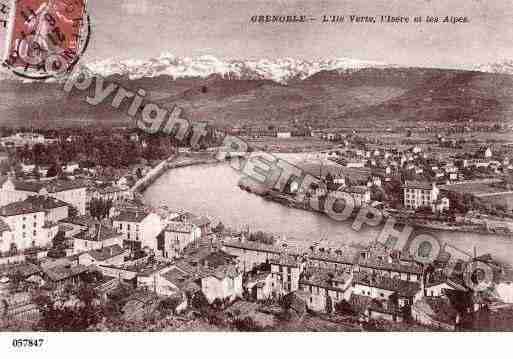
{"type": "Point", "coordinates": [255, 166]}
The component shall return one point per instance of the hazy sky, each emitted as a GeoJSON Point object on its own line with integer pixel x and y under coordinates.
{"type": "Point", "coordinates": [146, 28]}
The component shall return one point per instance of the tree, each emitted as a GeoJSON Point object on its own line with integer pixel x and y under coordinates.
{"type": "Point", "coordinates": [329, 304]}
{"type": "Point", "coordinates": [170, 304]}
{"type": "Point", "coordinates": [219, 228]}
{"type": "Point", "coordinates": [72, 212]}
{"type": "Point", "coordinates": [343, 307]}
{"type": "Point", "coordinates": [54, 170]}
{"type": "Point", "coordinates": [100, 208]}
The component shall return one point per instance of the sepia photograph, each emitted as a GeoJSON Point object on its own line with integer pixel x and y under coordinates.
{"type": "Point", "coordinates": [230, 166]}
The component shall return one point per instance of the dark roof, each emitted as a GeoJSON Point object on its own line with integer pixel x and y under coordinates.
{"type": "Point", "coordinates": [62, 272]}
{"type": "Point", "coordinates": [181, 279]}
{"type": "Point", "coordinates": [343, 258]}
{"type": "Point", "coordinates": [51, 186]}
{"type": "Point", "coordinates": [325, 278]}
{"type": "Point", "coordinates": [106, 252]}
{"type": "Point", "coordinates": [356, 189]}
{"type": "Point", "coordinates": [46, 203]}
{"type": "Point", "coordinates": [418, 184]}
{"type": "Point", "coordinates": [84, 221]}
{"type": "Point", "coordinates": [401, 287]}
{"type": "Point", "coordinates": [25, 269]}
{"type": "Point", "coordinates": [286, 260]}
{"type": "Point", "coordinates": [131, 216]}
{"type": "Point", "coordinates": [254, 246]}
{"type": "Point", "coordinates": [18, 208]}
{"type": "Point", "coordinates": [393, 266]}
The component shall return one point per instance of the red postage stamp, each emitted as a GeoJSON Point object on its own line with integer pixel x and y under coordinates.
{"type": "Point", "coordinates": [46, 37]}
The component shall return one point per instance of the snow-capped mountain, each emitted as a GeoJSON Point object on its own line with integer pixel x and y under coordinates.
{"type": "Point", "coordinates": [279, 70]}
{"type": "Point", "coordinates": [501, 67]}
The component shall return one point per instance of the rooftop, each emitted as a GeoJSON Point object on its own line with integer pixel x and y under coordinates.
{"type": "Point", "coordinates": [62, 272]}
{"type": "Point", "coordinates": [183, 280]}
{"type": "Point", "coordinates": [45, 202]}
{"type": "Point", "coordinates": [106, 252]}
{"type": "Point", "coordinates": [418, 185]}
{"type": "Point", "coordinates": [51, 186]}
{"type": "Point", "coordinates": [325, 278]}
{"type": "Point", "coordinates": [131, 216]}
{"type": "Point", "coordinates": [391, 266]}
{"type": "Point", "coordinates": [19, 208]}
{"type": "Point", "coordinates": [401, 287]}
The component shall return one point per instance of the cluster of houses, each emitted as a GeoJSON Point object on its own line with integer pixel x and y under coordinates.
{"type": "Point", "coordinates": [426, 175]}
{"type": "Point", "coordinates": [175, 254]}
{"type": "Point", "coordinates": [375, 282]}
{"type": "Point", "coordinates": [25, 139]}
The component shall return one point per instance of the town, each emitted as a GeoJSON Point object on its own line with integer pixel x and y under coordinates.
{"type": "Point", "coordinates": [80, 249]}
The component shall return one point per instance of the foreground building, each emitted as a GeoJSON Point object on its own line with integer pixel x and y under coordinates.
{"type": "Point", "coordinates": [24, 226]}
{"type": "Point", "coordinates": [72, 192]}
{"type": "Point", "coordinates": [139, 229]}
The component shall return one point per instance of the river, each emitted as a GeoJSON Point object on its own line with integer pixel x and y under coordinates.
{"type": "Point", "coordinates": [212, 190]}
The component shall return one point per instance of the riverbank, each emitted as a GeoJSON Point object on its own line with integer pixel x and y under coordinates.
{"type": "Point", "coordinates": [172, 162]}
{"type": "Point", "coordinates": [292, 202]}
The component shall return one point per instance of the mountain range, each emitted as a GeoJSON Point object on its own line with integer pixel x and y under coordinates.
{"type": "Point", "coordinates": [337, 92]}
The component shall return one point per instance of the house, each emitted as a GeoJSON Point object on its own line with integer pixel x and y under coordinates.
{"type": "Point", "coordinates": [112, 193]}
{"type": "Point", "coordinates": [70, 167]}
{"type": "Point", "coordinates": [58, 277]}
{"type": "Point", "coordinates": [385, 288]}
{"type": "Point", "coordinates": [435, 312]}
{"type": "Point", "coordinates": [222, 282]}
{"type": "Point", "coordinates": [109, 255]}
{"type": "Point", "coordinates": [23, 139]}
{"type": "Point", "coordinates": [420, 194]}
{"type": "Point", "coordinates": [259, 285]}
{"type": "Point", "coordinates": [283, 133]}
{"type": "Point", "coordinates": [178, 281]}
{"type": "Point", "coordinates": [4, 157]}
{"type": "Point", "coordinates": [55, 209]}
{"type": "Point", "coordinates": [334, 261]}
{"type": "Point", "coordinates": [286, 271]}
{"type": "Point", "coordinates": [140, 305]}
{"type": "Point", "coordinates": [23, 227]}
{"type": "Point", "coordinates": [72, 192]}
{"type": "Point", "coordinates": [360, 194]}
{"type": "Point", "coordinates": [18, 306]}
{"type": "Point", "coordinates": [139, 228]}
{"type": "Point", "coordinates": [441, 205]}
{"type": "Point", "coordinates": [388, 268]}
{"type": "Point", "coordinates": [325, 288]}
{"type": "Point", "coordinates": [27, 168]}
{"type": "Point", "coordinates": [177, 236]}
{"type": "Point", "coordinates": [201, 222]}
{"type": "Point", "coordinates": [437, 284]}
{"type": "Point", "coordinates": [250, 254]}
{"type": "Point", "coordinates": [96, 236]}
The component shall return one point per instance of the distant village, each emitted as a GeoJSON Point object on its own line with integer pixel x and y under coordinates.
{"type": "Point", "coordinates": [80, 250]}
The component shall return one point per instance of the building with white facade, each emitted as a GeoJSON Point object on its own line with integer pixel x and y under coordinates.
{"type": "Point", "coordinates": [23, 227]}
{"type": "Point", "coordinates": [177, 236]}
{"type": "Point", "coordinates": [420, 194]}
{"type": "Point", "coordinates": [71, 192]}
{"type": "Point", "coordinates": [139, 228]}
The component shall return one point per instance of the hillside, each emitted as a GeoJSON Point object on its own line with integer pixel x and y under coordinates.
{"type": "Point", "coordinates": [374, 96]}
